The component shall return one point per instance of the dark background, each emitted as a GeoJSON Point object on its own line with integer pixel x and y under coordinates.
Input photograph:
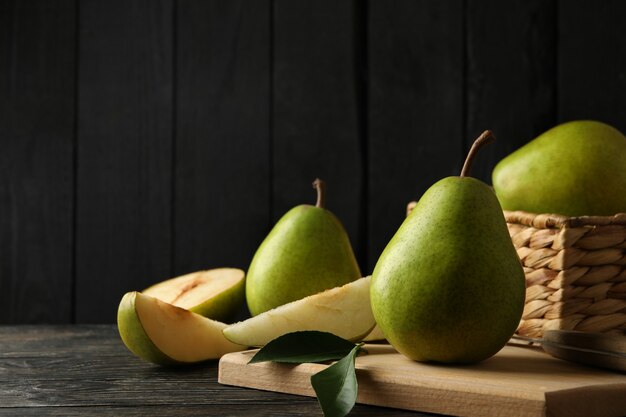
{"type": "Point", "coordinates": [144, 139]}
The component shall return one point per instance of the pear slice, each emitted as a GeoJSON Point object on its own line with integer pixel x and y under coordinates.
{"type": "Point", "coordinates": [376, 335]}
{"type": "Point", "coordinates": [215, 293]}
{"type": "Point", "coordinates": [165, 334]}
{"type": "Point", "coordinates": [344, 311]}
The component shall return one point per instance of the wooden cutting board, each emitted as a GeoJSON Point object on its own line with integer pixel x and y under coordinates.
{"type": "Point", "coordinates": [518, 381]}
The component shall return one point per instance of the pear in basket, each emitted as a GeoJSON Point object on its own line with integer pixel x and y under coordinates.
{"type": "Point", "coordinates": [574, 169]}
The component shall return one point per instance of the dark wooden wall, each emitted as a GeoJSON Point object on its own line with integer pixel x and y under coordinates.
{"type": "Point", "coordinates": [143, 139]}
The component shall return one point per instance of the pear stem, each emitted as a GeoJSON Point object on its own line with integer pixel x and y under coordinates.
{"type": "Point", "coordinates": [486, 137]}
{"type": "Point", "coordinates": [320, 186]}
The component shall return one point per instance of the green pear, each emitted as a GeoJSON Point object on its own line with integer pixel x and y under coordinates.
{"type": "Point", "coordinates": [307, 252]}
{"type": "Point", "coordinates": [574, 169]}
{"type": "Point", "coordinates": [449, 287]}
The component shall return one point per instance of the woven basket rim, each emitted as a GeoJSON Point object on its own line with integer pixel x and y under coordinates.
{"type": "Point", "coordinates": [542, 221]}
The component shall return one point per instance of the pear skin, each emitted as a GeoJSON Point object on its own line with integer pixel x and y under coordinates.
{"type": "Point", "coordinates": [574, 169]}
{"type": "Point", "coordinates": [308, 251]}
{"type": "Point", "coordinates": [449, 287]}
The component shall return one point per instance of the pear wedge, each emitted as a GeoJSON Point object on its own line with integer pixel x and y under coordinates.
{"type": "Point", "coordinates": [376, 335]}
{"type": "Point", "coordinates": [165, 334]}
{"type": "Point", "coordinates": [344, 311]}
{"type": "Point", "coordinates": [215, 293]}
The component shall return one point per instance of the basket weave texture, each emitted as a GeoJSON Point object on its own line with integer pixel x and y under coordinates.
{"type": "Point", "coordinates": [575, 271]}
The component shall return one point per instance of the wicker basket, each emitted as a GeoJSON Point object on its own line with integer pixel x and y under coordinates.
{"type": "Point", "coordinates": [575, 271]}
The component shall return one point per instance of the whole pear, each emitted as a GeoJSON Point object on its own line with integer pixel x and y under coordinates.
{"type": "Point", "coordinates": [574, 169]}
{"type": "Point", "coordinates": [308, 251]}
{"type": "Point", "coordinates": [449, 287]}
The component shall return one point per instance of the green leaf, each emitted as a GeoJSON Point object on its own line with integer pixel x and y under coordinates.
{"type": "Point", "coordinates": [305, 346]}
{"type": "Point", "coordinates": [336, 386]}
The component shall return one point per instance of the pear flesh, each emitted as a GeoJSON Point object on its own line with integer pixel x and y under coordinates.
{"type": "Point", "coordinates": [165, 334]}
{"type": "Point", "coordinates": [376, 335]}
{"type": "Point", "coordinates": [215, 293]}
{"type": "Point", "coordinates": [344, 311]}
{"type": "Point", "coordinates": [574, 169]}
{"type": "Point", "coordinates": [449, 286]}
{"type": "Point", "coordinates": [308, 251]}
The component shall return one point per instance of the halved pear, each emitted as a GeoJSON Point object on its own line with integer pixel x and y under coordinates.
{"type": "Point", "coordinates": [215, 293]}
{"type": "Point", "coordinates": [344, 311]}
{"type": "Point", "coordinates": [165, 334]}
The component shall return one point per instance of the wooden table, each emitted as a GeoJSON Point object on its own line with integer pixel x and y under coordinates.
{"type": "Point", "coordinates": [86, 370]}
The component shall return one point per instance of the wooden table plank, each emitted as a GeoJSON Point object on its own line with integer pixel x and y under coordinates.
{"type": "Point", "coordinates": [510, 86]}
{"type": "Point", "coordinates": [37, 139]}
{"type": "Point", "coordinates": [222, 151]}
{"type": "Point", "coordinates": [124, 152]}
{"type": "Point", "coordinates": [86, 370]}
{"type": "Point", "coordinates": [288, 409]}
{"type": "Point", "coordinates": [591, 61]}
{"type": "Point", "coordinates": [46, 341]}
{"type": "Point", "coordinates": [317, 126]}
{"type": "Point", "coordinates": [415, 107]}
